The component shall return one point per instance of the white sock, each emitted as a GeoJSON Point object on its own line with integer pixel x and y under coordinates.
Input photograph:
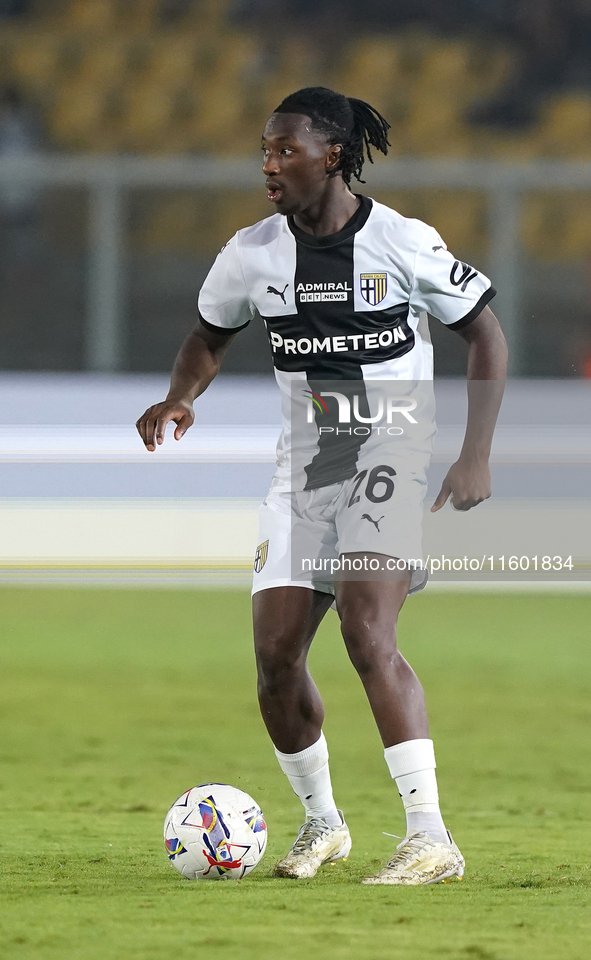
{"type": "Point", "coordinates": [412, 766]}
{"type": "Point", "coordinates": [308, 773]}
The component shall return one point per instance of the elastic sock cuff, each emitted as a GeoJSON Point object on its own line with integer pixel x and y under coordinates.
{"type": "Point", "coordinates": [305, 762]}
{"type": "Point", "coordinates": [410, 757]}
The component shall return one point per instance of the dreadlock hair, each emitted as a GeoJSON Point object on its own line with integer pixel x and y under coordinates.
{"type": "Point", "coordinates": [353, 123]}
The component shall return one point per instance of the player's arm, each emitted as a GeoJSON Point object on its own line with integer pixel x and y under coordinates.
{"type": "Point", "coordinates": [197, 363]}
{"type": "Point", "coordinates": [468, 480]}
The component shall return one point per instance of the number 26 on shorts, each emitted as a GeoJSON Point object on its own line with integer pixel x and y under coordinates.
{"type": "Point", "coordinates": [379, 476]}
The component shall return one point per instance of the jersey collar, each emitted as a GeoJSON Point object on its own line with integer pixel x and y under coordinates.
{"type": "Point", "coordinates": [357, 221]}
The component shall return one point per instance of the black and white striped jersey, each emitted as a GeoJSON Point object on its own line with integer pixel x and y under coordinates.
{"type": "Point", "coordinates": [349, 306]}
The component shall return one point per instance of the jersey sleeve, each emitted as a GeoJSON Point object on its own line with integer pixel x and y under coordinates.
{"type": "Point", "coordinates": [448, 289]}
{"type": "Point", "coordinates": [224, 303]}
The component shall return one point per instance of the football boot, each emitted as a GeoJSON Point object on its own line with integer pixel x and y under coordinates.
{"type": "Point", "coordinates": [316, 843]}
{"type": "Point", "coordinates": [420, 860]}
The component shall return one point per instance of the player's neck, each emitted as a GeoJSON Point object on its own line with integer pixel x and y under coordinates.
{"type": "Point", "coordinates": [329, 213]}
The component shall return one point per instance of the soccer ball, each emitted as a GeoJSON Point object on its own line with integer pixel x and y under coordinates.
{"type": "Point", "coordinates": [215, 832]}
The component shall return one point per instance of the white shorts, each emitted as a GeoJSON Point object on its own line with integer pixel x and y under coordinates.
{"type": "Point", "coordinates": [302, 535]}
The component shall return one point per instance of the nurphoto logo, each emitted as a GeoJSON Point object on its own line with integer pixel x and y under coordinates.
{"type": "Point", "coordinates": [390, 406]}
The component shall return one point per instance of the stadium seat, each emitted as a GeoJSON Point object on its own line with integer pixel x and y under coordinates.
{"type": "Point", "coordinates": [91, 15]}
{"type": "Point", "coordinates": [557, 227]}
{"type": "Point", "coordinates": [577, 229]}
{"type": "Point", "coordinates": [220, 118]}
{"type": "Point", "coordinates": [447, 65]}
{"type": "Point", "coordinates": [172, 59]}
{"type": "Point", "coordinates": [207, 15]}
{"type": "Point", "coordinates": [78, 119]}
{"type": "Point", "coordinates": [105, 62]}
{"type": "Point", "coordinates": [37, 60]}
{"type": "Point", "coordinates": [565, 126]}
{"type": "Point", "coordinates": [141, 15]}
{"type": "Point", "coordinates": [491, 68]}
{"type": "Point", "coordinates": [146, 118]}
{"type": "Point", "coordinates": [294, 66]}
{"type": "Point", "coordinates": [435, 124]}
{"type": "Point", "coordinates": [371, 68]}
{"type": "Point", "coordinates": [216, 123]}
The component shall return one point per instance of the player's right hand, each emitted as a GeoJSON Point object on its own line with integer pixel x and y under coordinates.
{"type": "Point", "coordinates": [152, 424]}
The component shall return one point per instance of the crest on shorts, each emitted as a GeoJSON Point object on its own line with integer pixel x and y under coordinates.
{"type": "Point", "coordinates": [260, 557]}
{"type": "Point", "coordinates": [374, 287]}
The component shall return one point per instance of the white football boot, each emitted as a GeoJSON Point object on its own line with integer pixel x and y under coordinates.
{"type": "Point", "coordinates": [420, 860]}
{"type": "Point", "coordinates": [316, 843]}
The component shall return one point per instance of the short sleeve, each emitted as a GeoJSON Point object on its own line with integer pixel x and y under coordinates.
{"type": "Point", "coordinates": [224, 304]}
{"type": "Point", "coordinates": [448, 289]}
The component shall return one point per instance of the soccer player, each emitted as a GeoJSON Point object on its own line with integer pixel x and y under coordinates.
{"type": "Point", "coordinates": [344, 285]}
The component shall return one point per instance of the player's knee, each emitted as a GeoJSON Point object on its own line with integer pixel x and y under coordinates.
{"type": "Point", "coordinates": [278, 658]}
{"type": "Point", "coordinates": [369, 642]}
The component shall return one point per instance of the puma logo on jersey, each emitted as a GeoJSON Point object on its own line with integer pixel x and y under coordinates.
{"type": "Point", "coordinates": [366, 516]}
{"type": "Point", "coordinates": [278, 293]}
{"type": "Point", "coordinates": [435, 249]}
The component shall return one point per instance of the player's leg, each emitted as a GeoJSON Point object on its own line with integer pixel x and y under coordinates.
{"type": "Point", "coordinates": [285, 621]}
{"type": "Point", "coordinates": [369, 610]}
{"type": "Point", "coordinates": [286, 617]}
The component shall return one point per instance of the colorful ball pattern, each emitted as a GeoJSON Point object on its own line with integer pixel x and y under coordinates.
{"type": "Point", "coordinates": [215, 832]}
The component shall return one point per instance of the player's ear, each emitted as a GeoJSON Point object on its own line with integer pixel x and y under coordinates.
{"type": "Point", "coordinates": [334, 156]}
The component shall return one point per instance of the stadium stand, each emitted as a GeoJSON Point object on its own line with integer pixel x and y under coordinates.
{"type": "Point", "coordinates": [211, 74]}
{"type": "Point", "coordinates": [187, 77]}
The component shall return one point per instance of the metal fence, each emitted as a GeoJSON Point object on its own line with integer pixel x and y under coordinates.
{"type": "Point", "coordinates": [109, 180]}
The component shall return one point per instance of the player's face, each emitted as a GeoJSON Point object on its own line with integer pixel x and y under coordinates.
{"type": "Point", "coordinates": [297, 162]}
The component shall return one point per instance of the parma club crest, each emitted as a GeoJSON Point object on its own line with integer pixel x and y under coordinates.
{"type": "Point", "coordinates": [374, 287]}
{"type": "Point", "coordinates": [260, 557]}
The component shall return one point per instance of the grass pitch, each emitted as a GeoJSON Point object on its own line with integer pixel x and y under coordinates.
{"type": "Point", "coordinates": [115, 701]}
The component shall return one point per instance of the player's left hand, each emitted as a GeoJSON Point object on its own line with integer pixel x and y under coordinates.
{"type": "Point", "coordinates": [467, 483]}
